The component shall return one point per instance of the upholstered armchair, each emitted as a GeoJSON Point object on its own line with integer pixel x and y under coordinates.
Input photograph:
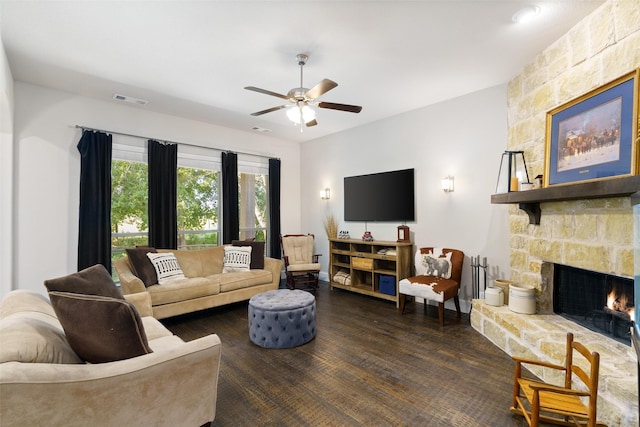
{"type": "Point", "coordinates": [438, 274]}
{"type": "Point", "coordinates": [301, 264]}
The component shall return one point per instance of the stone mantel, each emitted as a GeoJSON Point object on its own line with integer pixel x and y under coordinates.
{"type": "Point", "coordinates": [529, 201]}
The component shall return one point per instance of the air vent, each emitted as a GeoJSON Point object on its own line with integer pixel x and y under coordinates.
{"type": "Point", "coordinates": [130, 99]}
{"type": "Point", "coordinates": [259, 129]}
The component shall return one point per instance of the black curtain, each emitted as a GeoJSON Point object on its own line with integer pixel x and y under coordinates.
{"type": "Point", "coordinates": [230, 209]}
{"type": "Point", "coordinates": [274, 208]}
{"type": "Point", "coordinates": [163, 195]}
{"type": "Point", "coordinates": [94, 230]}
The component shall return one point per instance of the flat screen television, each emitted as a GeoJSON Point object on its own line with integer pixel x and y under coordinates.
{"type": "Point", "coordinates": [384, 196]}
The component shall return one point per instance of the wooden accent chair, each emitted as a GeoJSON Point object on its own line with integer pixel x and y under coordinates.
{"type": "Point", "coordinates": [300, 263]}
{"type": "Point", "coordinates": [437, 279]}
{"type": "Point", "coordinates": [563, 405]}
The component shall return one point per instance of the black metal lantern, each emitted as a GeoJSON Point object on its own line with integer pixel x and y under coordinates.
{"type": "Point", "coordinates": [513, 172]}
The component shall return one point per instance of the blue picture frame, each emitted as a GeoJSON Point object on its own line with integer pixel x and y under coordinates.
{"type": "Point", "coordinates": [595, 136]}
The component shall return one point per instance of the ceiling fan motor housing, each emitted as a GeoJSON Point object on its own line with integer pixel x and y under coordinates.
{"type": "Point", "coordinates": [298, 94]}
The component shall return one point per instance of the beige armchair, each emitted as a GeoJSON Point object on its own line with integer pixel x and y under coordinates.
{"type": "Point", "coordinates": [301, 264]}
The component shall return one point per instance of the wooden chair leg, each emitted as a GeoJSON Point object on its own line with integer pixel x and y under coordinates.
{"type": "Point", "coordinates": [403, 300]}
{"type": "Point", "coordinates": [441, 313]}
{"type": "Point", "coordinates": [456, 301]}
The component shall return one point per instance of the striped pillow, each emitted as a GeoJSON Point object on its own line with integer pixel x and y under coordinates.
{"type": "Point", "coordinates": [236, 258]}
{"type": "Point", "coordinates": [166, 266]}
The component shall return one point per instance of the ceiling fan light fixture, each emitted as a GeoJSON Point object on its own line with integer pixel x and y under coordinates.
{"type": "Point", "coordinates": [301, 114]}
{"type": "Point", "coordinates": [526, 14]}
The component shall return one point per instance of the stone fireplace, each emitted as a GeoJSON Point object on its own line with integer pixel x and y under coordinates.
{"type": "Point", "coordinates": [543, 337]}
{"type": "Point", "coordinates": [598, 301]}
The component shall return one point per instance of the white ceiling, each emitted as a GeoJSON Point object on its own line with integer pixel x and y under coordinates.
{"type": "Point", "coordinates": [193, 58]}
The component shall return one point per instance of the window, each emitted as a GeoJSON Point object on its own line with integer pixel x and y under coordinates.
{"type": "Point", "coordinates": [129, 221]}
{"type": "Point", "coordinates": [199, 200]}
{"type": "Point", "coordinates": [253, 206]}
{"type": "Point", "coordinates": [253, 199]}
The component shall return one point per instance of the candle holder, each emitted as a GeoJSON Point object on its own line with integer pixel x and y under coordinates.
{"type": "Point", "coordinates": [513, 172]}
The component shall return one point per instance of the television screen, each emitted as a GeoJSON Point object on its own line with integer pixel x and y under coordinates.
{"type": "Point", "coordinates": [385, 196]}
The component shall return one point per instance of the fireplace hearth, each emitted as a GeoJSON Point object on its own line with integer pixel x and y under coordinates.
{"type": "Point", "coordinates": [600, 302]}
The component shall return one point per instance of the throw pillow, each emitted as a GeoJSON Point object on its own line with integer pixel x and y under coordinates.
{"type": "Point", "coordinates": [166, 267]}
{"type": "Point", "coordinates": [439, 266]}
{"type": "Point", "coordinates": [257, 252]}
{"type": "Point", "coordinates": [236, 258]}
{"type": "Point", "coordinates": [94, 280]}
{"type": "Point", "coordinates": [141, 265]}
{"type": "Point", "coordinates": [100, 329]}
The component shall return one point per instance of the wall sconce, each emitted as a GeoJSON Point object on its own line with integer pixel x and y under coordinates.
{"type": "Point", "coordinates": [447, 184]}
{"type": "Point", "coordinates": [325, 194]}
{"type": "Point", "coordinates": [513, 172]}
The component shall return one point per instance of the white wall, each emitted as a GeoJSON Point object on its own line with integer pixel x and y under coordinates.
{"type": "Point", "coordinates": [463, 137]}
{"type": "Point", "coordinates": [6, 174]}
{"type": "Point", "coordinates": [48, 169]}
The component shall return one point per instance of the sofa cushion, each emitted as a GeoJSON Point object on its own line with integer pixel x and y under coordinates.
{"type": "Point", "coordinates": [100, 329]}
{"type": "Point", "coordinates": [166, 266]}
{"type": "Point", "coordinates": [20, 300]}
{"type": "Point", "coordinates": [141, 265]}
{"type": "Point", "coordinates": [257, 252]}
{"type": "Point", "coordinates": [184, 289]}
{"type": "Point", "coordinates": [236, 258]}
{"type": "Point", "coordinates": [244, 279]}
{"type": "Point", "coordinates": [94, 280]}
{"type": "Point", "coordinates": [191, 262]}
{"type": "Point", "coordinates": [33, 337]}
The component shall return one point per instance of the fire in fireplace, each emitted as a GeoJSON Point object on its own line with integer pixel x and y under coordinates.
{"type": "Point", "coordinates": [598, 301]}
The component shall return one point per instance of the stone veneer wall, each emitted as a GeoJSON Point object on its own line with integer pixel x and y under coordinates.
{"type": "Point", "coordinates": [591, 234]}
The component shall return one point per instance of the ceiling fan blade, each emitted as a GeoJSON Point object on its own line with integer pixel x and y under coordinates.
{"type": "Point", "coordinates": [341, 107]}
{"type": "Point", "coordinates": [321, 88]}
{"type": "Point", "coordinates": [266, 92]}
{"type": "Point", "coordinates": [311, 123]}
{"type": "Point", "coordinates": [270, 110]}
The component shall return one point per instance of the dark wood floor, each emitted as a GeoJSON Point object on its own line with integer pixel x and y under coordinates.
{"type": "Point", "coordinates": [368, 365]}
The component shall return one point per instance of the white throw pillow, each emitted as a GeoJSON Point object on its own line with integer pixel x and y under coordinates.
{"type": "Point", "coordinates": [236, 258]}
{"type": "Point", "coordinates": [166, 266]}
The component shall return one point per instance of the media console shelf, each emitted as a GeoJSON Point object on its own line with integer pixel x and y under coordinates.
{"type": "Point", "coordinates": [367, 262]}
{"type": "Point", "coordinates": [529, 201]}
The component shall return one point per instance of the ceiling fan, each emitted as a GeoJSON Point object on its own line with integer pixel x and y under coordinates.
{"type": "Point", "coordinates": [302, 99]}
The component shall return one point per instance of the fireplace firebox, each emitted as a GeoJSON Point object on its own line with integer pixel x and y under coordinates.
{"type": "Point", "coordinates": [601, 302]}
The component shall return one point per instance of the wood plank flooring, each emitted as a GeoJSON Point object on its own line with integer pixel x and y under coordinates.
{"type": "Point", "coordinates": [368, 365]}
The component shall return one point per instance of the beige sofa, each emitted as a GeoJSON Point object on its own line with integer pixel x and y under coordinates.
{"type": "Point", "coordinates": [204, 285]}
{"type": "Point", "coordinates": [43, 381]}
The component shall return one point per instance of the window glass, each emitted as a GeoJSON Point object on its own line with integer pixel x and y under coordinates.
{"type": "Point", "coordinates": [253, 206]}
{"type": "Point", "coordinates": [198, 201]}
{"type": "Point", "coordinates": [129, 221]}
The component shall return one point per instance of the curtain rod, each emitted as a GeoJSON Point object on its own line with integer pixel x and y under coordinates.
{"type": "Point", "coordinates": [170, 142]}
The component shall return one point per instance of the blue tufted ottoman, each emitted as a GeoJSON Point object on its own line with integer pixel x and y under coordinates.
{"type": "Point", "coordinates": [282, 318]}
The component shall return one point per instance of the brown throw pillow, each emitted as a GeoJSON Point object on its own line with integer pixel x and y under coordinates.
{"type": "Point", "coordinates": [257, 252]}
{"type": "Point", "coordinates": [141, 265]}
{"type": "Point", "coordinates": [94, 280]}
{"type": "Point", "coordinates": [100, 329]}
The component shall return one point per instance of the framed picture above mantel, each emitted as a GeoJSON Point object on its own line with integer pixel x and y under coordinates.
{"type": "Point", "coordinates": [594, 136]}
